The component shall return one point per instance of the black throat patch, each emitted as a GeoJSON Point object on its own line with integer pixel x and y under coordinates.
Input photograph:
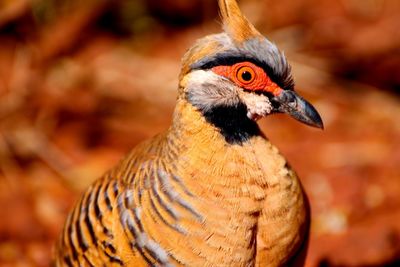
{"type": "Point", "coordinates": [233, 123]}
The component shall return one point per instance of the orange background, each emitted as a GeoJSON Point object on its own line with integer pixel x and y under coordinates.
{"type": "Point", "coordinates": [81, 84]}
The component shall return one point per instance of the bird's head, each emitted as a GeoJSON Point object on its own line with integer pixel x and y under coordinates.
{"type": "Point", "coordinates": [241, 72]}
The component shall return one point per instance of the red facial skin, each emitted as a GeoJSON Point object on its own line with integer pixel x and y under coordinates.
{"type": "Point", "coordinates": [259, 82]}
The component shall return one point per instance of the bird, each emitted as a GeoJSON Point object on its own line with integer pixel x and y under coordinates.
{"type": "Point", "coordinates": [211, 190]}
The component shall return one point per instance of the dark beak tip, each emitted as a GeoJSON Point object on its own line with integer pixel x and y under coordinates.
{"type": "Point", "coordinates": [310, 115]}
{"type": "Point", "coordinates": [316, 120]}
{"type": "Point", "coordinates": [314, 117]}
{"type": "Point", "coordinates": [319, 124]}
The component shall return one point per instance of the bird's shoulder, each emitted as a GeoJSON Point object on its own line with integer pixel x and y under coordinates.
{"type": "Point", "coordinates": [144, 158]}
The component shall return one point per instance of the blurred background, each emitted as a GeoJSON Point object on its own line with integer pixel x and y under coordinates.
{"type": "Point", "coordinates": [82, 82]}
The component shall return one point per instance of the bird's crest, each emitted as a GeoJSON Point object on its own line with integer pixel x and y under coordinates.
{"type": "Point", "coordinates": [235, 23]}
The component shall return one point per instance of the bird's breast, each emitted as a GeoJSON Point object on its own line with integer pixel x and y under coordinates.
{"type": "Point", "coordinates": [201, 205]}
{"type": "Point", "coordinates": [230, 186]}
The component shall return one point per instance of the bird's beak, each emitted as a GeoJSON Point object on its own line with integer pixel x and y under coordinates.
{"type": "Point", "coordinates": [290, 102]}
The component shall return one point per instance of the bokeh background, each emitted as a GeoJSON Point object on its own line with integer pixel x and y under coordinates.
{"type": "Point", "coordinates": [82, 82]}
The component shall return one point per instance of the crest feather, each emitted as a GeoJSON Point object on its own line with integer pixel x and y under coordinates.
{"type": "Point", "coordinates": [235, 23]}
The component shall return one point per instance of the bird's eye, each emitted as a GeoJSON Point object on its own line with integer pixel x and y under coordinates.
{"type": "Point", "coordinates": [246, 75]}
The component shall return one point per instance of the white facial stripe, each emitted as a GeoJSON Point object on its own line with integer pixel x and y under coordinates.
{"type": "Point", "coordinates": [205, 90]}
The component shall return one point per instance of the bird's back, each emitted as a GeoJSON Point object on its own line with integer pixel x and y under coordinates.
{"type": "Point", "coordinates": [89, 237]}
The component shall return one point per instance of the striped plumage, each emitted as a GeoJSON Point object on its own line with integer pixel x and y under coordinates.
{"type": "Point", "coordinates": [210, 191]}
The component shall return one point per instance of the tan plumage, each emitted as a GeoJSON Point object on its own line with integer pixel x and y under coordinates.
{"type": "Point", "coordinates": [194, 195]}
{"type": "Point", "coordinates": [237, 25]}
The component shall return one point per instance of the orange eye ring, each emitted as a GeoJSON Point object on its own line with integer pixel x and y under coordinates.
{"type": "Point", "coordinates": [245, 75]}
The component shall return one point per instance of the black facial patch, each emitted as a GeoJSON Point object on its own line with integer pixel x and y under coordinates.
{"type": "Point", "coordinates": [233, 123]}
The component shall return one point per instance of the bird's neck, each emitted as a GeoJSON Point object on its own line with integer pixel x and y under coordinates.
{"type": "Point", "coordinates": [218, 148]}
{"type": "Point", "coordinates": [225, 125]}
